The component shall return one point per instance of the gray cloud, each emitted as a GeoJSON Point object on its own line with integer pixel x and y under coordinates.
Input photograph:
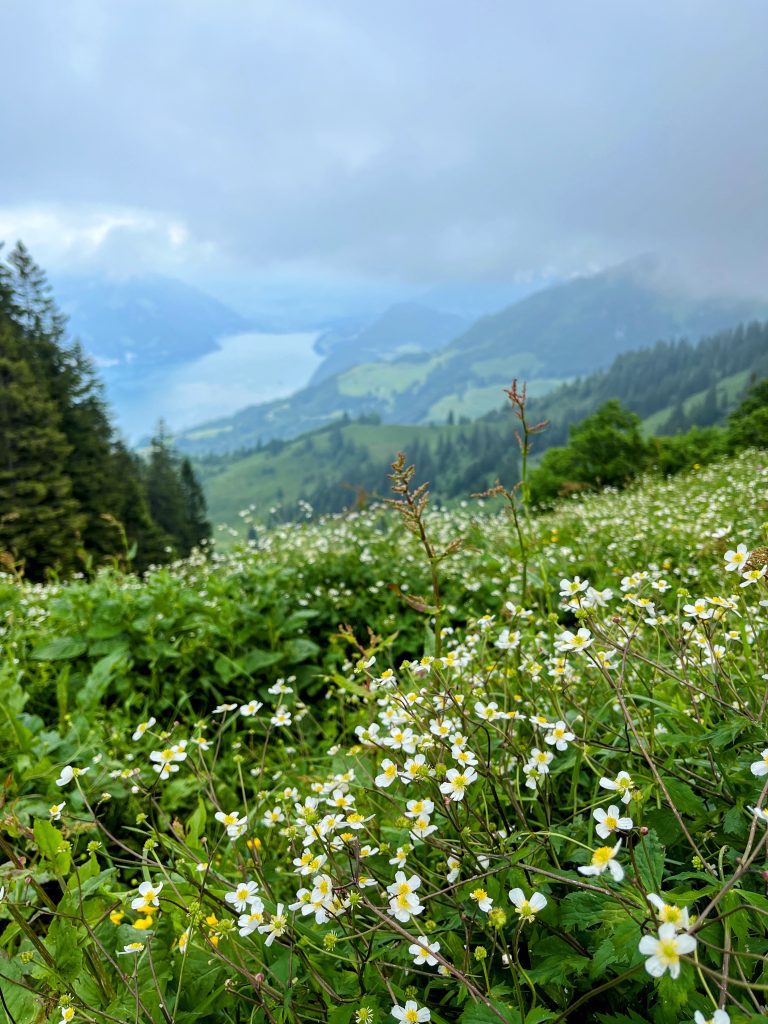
{"type": "Point", "coordinates": [417, 142]}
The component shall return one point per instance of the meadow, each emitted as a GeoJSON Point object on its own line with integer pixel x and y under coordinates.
{"type": "Point", "coordinates": [400, 764]}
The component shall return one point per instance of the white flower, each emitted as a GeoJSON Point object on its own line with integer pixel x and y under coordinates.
{"type": "Point", "coordinates": [668, 913]}
{"type": "Point", "coordinates": [604, 858]}
{"type": "Point", "coordinates": [541, 760]}
{"type": "Point", "coordinates": [760, 767]}
{"type": "Point", "coordinates": [222, 709]}
{"type": "Point", "coordinates": [281, 717]}
{"type": "Point", "coordinates": [277, 926]}
{"type": "Point", "coordinates": [165, 760]}
{"type": "Point", "coordinates": [421, 951]}
{"type": "Point", "coordinates": [575, 586]}
{"type": "Point", "coordinates": [456, 782]}
{"type": "Point", "coordinates": [68, 773]}
{"type": "Point", "coordinates": [251, 708]}
{"type": "Point", "coordinates": [574, 641]}
{"type": "Point", "coordinates": [560, 736]}
{"type": "Point", "coordinates": [387, 775]}
{"type": "Point", "coordinates": [67, 1013]}
{"type": "Point", "coordinates": [665, 951]}
{"type": "Point", "coordinates": [131, 949]}
{"type": "Point", "coordinates": [234, 824]}
{"type": "Point", "coordinates": [454, 868]}
{"type": "Point", "coordinates": [142, 727]}
{"type": "Point", "coordinates": [609, 821]}
{"type": "Point", "coordinates": [736, 560]}
{"type": "Point", "coordinates": [249, 922]}
{"type": "Point", "coordinates": [621, 784]}
{"type": "Point", "coordinates": [718, 1017]}
{"type": "Point", "coordinates": [411, 1013]}
{"type": "Point", "coordinates": [55, 810]}
{"type": "Point", "coordinates": [273, 817]}
{"type": "Point", "coordinates": [482, 899]}
{"type": "Point", "coordinates": [527, 908]}
{"type": "Point", "coordinates": [404, 903]}
{"type": "Point", "coordinates": [245, 894]}
{"type": "Point", "coordinates": [148, 895]}
{"type": "Point", "coordinates": [413, 768]}
{"type": "Point", "coordinates": [752, 576]}
{"type": "Point", "coordinates": [416, 808]}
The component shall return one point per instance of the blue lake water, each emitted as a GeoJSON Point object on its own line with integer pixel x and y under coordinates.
{"type": "Point", "coordinates": [246, 369]}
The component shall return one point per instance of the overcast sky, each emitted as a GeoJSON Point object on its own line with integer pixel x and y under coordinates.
{"type": "Point", "coordinates": [416, 141]}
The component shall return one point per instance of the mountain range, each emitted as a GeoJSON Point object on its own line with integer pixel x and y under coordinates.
{"type": "Point", "coordinates": [559, 333]}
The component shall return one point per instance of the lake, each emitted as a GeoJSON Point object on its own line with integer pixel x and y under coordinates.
{"type": "Point", "coordinates": [245, 370]}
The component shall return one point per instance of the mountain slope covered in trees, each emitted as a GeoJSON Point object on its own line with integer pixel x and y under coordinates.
{"type": "Point", "coordinates": [671, 387]}
{"type": "Point", "coordinates": [568, 329]}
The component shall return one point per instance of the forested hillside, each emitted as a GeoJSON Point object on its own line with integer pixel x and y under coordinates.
{"type": "Point", "coordinates": [576, 327]}
{"type": "Point", "coordinates": [72, 495]}
{"type": "Point", "coordinates": [672, 387]}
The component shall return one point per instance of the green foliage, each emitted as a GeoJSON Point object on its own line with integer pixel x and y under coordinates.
{"type": "Point", "coordinates": [606, 449]}
{"type": "Point", "coordinates": [71, 495]}
{"type": "Point", "coordinates": [275, 681]}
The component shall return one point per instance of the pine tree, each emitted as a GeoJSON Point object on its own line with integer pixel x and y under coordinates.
{"type": "Point", "coordinates": [164, 490]}
{"type": "Point", "coordinates": [40, 520]}
{"type": "Point", "coordinates": [198, 528]}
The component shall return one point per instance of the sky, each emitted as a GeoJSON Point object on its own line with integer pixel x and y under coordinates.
{"type": "Point", "coordinates": [359, 147]}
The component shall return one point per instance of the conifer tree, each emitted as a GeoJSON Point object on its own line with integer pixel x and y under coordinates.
{"type": "Point", "coordinates": [40, 520]}
{"type": "Point", "coordinates": [198, 528]}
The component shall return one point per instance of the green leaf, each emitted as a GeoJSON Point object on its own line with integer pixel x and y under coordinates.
{"type": "Point", "coordinates": [649, 857]}
{"type": "Point", "coordinates": [23, 1004]}
{"type": "Point", "coordinates": [539, 1015]}
{"type": "Point", "coordinates": [52, 846]}
{"type": "Point", "coordinates": [99, 678]}
{"type": "Point", "coordinates": [479, 1013]}
{"type": "Point", "coordinates": [61, 648]}
{"type": "Point", "coordinates": [256, 660]}
{"type": "Point", "coordinates": [603, 957]}
{"type": "Point", "coordinates": [301, 649]}
{"type": "Point", "coordinates": [583, 909]}
{"type": "Point", "coordinates": [196, 823]}
{"type": "Point", "coordinates": [684, 798]}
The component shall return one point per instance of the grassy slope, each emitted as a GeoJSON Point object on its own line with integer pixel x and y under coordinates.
{"type": "Point", "coordinates": [729, 390]}
{"type": "Point", "coordinates": [263, 478]}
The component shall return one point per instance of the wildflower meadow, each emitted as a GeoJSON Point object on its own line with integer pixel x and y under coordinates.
{"type": "Point", "coordinates": [404, 764]}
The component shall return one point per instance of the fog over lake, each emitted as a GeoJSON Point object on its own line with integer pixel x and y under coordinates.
{"type": "Point", "coordinates": [246, 369]}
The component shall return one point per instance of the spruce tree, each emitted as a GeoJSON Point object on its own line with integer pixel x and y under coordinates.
{"type": "Point", "coordinates": [40, 520]}
{"type": "Point", "coordinates": [198, 528]}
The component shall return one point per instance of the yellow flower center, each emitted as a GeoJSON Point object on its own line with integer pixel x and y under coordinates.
{"type": "Point", "coordinates": [668, 950]}
{"type": "Point", "coordinates": [609, 821]}
{"type": "Point", "coordinates": [602, 855]}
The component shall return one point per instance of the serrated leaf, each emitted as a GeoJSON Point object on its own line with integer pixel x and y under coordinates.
{"type": "Point", "coordinates": [52, 846]}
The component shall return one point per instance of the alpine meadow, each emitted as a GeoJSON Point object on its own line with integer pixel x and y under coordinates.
{"type": "Point", "coordinates": [384, 512]}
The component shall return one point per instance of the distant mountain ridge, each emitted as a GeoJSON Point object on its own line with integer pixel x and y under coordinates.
{"type": "Point", "coordinates": [566, 330]}
{"type": "Point", "coordinates": [150, 319]}
{"type": "Point", "coordinates": [405, 328]}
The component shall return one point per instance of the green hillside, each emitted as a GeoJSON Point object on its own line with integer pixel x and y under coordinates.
{"type": "Point", "coordinates": [405, 328]}
{"type": "Point", "coordinates": [336, 466]}
{"type": "Point", "coordinates": [672, 386]}
{"type": "Point", "coordinates": [568, 329]}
